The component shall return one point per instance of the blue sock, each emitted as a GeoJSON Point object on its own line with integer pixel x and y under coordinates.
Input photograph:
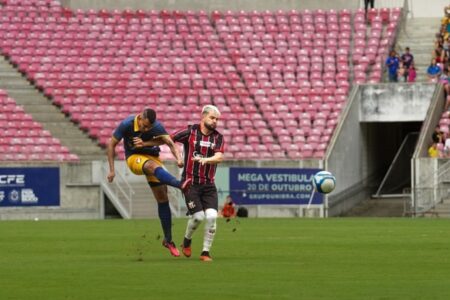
{"type": "Point", "coordinates": [165, 216]}
{"type": "Point", "coordinates": [166, 178]}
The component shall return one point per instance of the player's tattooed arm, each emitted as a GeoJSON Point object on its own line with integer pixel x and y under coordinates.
{"type": "Point", "coordinates": [215, 159]}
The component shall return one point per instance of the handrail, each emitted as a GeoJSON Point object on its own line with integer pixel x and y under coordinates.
{"type": "Point", "coordinates": [122, 188]}
{"type": "Point", "coordinates": [436, 180]}
{"type": "Point", "coordinates": [397, 155]}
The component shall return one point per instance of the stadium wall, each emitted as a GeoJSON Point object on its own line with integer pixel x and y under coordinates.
{"type": "Point", "coordinates": [79, 197]}
{"type": "Point", "coordinates": [433, 116]}
{"type": "Point", "coordinates": [222, 183]}
{"type": "Point", "coordinates": [211, 5]}
{"type": "Point", "coordinates": [346, 158]}
{"type": "Point", "coordinates": [426, 172]}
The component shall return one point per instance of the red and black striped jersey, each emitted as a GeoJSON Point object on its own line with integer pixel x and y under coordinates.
{"type": "Point", "coordinates": [195, 143]}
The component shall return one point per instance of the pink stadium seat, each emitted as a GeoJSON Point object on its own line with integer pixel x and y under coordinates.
{"type": "Point", "coordinates": [269, 64]}
{"type": "Point", "coordinates": [25, 135]}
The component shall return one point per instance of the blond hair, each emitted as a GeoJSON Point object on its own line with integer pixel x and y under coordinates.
{"type": "Point", "coordinates": [208, 108]}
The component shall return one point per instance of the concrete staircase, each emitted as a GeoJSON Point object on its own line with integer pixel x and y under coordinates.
{"type": "Point", "coordinates": [383, 207]}
{"type": "Point", "coordinates": [441, 210]}
{"type": "Point", "coordinates": [43, 111]}
{"type": "Point", "coordinates": [419, 36]}
{"type": "Point", "coordinates": [144, 203]}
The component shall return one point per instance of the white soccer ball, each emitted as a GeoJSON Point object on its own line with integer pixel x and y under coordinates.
{"type": "Point", "coordinates": [324, 182]}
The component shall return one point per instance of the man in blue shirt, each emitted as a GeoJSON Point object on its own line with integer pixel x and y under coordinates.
{"type": "Point", "coordinates": [433, 71]}
{"type": "Point", "coordinates": [392, 62]}
{"type": "Point", "coordinates": [144, 160]}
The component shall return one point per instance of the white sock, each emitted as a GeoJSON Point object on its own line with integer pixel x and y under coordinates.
{"type": "Point", "coordinates": [210, 228]}
{"type": "Point", "coordinates": [194, 221]}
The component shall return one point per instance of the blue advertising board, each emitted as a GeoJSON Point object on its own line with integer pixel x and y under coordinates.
{"type": "Point", "coordinates": [29, 186]}
{"type": "Point", "coordinates": [273, 186]}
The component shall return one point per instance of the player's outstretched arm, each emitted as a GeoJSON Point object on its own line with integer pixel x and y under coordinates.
{"type": "Point", "coordinates": [169, 142]}
{"type": "Point", "coordinates": [111, 152]}
{"type": "Point", "coordinates": [217, 158]}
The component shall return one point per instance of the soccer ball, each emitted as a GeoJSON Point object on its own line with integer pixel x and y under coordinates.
{"type": "Point", "coordinates": [324, 182]}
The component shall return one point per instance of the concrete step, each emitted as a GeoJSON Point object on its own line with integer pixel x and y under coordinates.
{"type": "Point", "coordinates": [15, 85]}
{"type": "Point", "coordinates": [45, 117]}
{"type": "Point", "coordinates": [26, 99]}
{"type": "Point", "coordinates": [43, 111]}
{"type": "Point", "coordinates": [443, 206]}
{"type": "Point", "coordinates": [10, 75]}
{"type": "Point", "coordinates": [38, 107]}
{"type": "Point", "coordinates": [419, 36]}
{"type": "Point", "coordinates": [385, 207]}
{"type": "Point", "coordinates": [436, 214]}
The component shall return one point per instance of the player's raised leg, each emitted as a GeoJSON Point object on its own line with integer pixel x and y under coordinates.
{"type": "Point", "coordinates": [156, 169]}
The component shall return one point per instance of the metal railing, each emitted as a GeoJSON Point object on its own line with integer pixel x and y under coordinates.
{"type": "Point", "coordinates": [120, 192]}
{"type": "Point", "coordinates": [432, 190]}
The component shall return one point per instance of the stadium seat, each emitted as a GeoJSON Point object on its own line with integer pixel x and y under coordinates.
{"type": "Point", "coordinates": [262, 63]}
{"type": "Point", "coordinates": [24, 139]}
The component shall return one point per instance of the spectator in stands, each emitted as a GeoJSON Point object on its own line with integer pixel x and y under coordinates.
{"type": "Point", "coordinates": [407, 59]}
{"type": "Point", "coordinates": [392, 62]}
{"type": "Point", "coordinates": [445, 22]}
{"type": "Point", "coordinates": [446, 47]}
{"type": "Point", "coordinates": [438, 135]}
{"type": "Point", "coordinates": [433, 71]}
{"type": "Point", "coordinates": [439, 54]}
{"type": "Point", "coordinates": [412, 74]}
{"type": "Point", "coordinates": [401, 72]}
{"type": "Point", "coordinates": [228, 210]}
{"type": "Point", "coordinates": [447, 11]}
{"type": "Point", "coordinates": [444, 80]}
{"type": "Point", "coordinates": [433, 151]}
{"type": "Point", "coordinates": [446, 148]}
{"type": "Point", "coordinates": [367, 3]}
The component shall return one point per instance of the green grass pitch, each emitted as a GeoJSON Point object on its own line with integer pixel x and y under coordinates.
{"type": "Point", "coordinates": [255, 259]}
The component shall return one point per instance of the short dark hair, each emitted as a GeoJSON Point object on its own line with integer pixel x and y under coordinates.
{"type": "Point", "coordinates": [150, 115]}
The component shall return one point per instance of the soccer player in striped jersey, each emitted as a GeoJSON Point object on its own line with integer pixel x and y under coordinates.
{"type": "Point", "coordinates": [144, 160]}
{"type": "Point", "coordinates": [203, 150]}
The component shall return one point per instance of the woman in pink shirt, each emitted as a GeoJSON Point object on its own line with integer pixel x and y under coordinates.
{"type": "Point", "coordinates": [412, 74]}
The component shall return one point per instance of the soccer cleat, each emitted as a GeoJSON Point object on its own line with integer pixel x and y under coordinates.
{"type": "Point", "coordinates": [205, 256]}
{"type": "Point", "coordinates": [186, 185]}
{"type": "Point", "coordinates": [186, 247]}
{"type": "Point", "coordinates": [187, 251]}
{"type": "Point", "coordinates": [172, 248]}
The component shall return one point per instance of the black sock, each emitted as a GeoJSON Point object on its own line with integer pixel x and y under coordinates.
{"type": "Point", "coordinates": [205, 253]}
{"type": "Point", "coordinates": [165, 216]}
{"type": "Point", "coordinates": [186, 242]}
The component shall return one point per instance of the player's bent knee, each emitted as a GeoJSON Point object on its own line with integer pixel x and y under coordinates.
{"type": "Point", "coordinates": [149, 167]}
{"type": "Point", "coordinates": [211, 214]}
{"type": "Point", "coordinates": [198, 216]}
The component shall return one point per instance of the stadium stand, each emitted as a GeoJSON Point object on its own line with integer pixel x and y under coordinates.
{"type": "Point", "coordinates": [280, 78]}
{"type": "Point", "coordinates": [24, 139]}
